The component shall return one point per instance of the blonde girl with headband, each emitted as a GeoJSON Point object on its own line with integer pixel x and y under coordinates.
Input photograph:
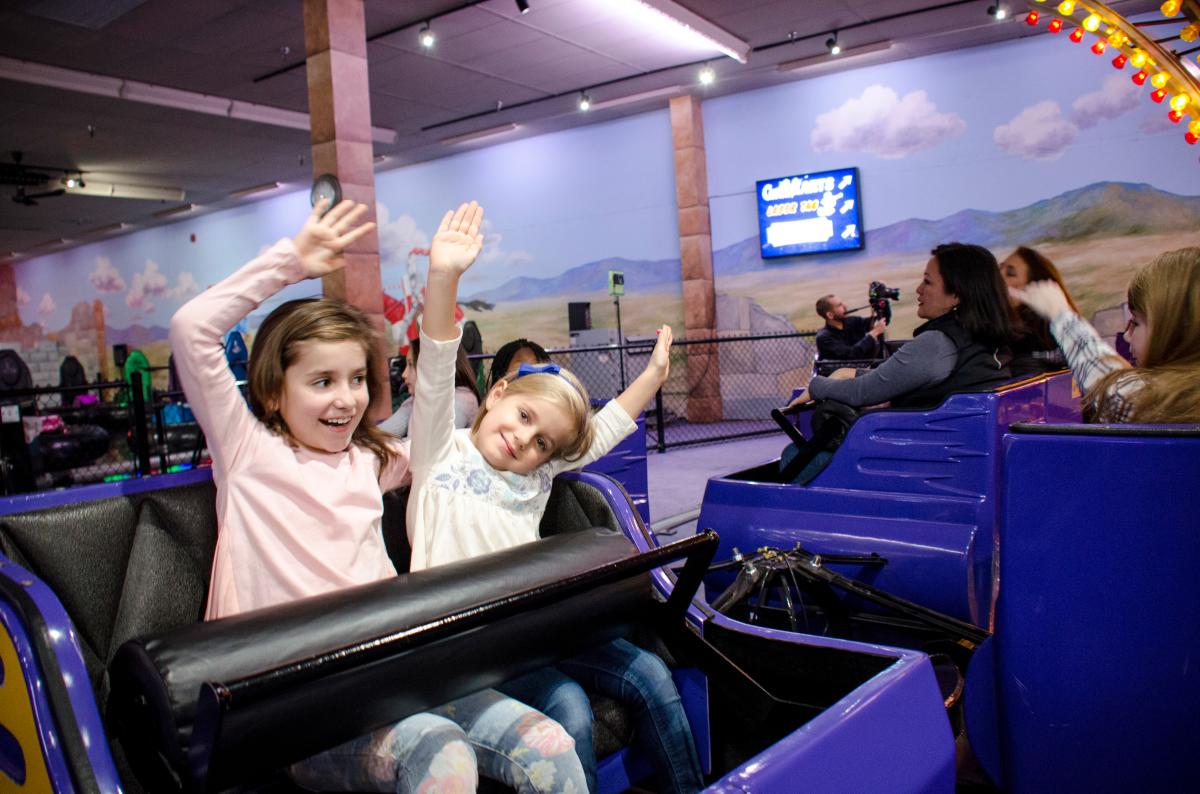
{"type": "Point", "coordinates": [485, 489]}
{"type": "Point", "coordinates": [300, 478]}
{"type": "Point", "coordinates": [1163, 386]}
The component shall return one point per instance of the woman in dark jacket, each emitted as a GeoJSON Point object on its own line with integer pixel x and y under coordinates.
{"type": "Point", "coordinates": [963, 346]}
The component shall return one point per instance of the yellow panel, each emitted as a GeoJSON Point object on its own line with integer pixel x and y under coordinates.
{"type": "Point", "coordinates": [16, 715]}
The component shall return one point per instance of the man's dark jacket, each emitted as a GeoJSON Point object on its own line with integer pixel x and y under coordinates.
{"type": "Point", "coordinates": [850, 342]}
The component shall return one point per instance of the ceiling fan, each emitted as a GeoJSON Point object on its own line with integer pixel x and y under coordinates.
{"type": "Point", "coordinates": [34, 176]}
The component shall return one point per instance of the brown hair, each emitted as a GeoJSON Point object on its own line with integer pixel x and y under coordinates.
{"type": "Point", "coordinates": [277, 346]}
{"type": "Point", "coordinates": [1167, 293]}
{"type": "Point", "coordinates": [563, 390]}
{"type": "Point", "coordinates": [824, 305]}
{"type": "Point", "coordinates": [464, 373]}
{"type": "Point", "coordinates": [1042, 269]}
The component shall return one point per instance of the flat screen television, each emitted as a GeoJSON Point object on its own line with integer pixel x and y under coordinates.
{"type": "Point", "coordinates": [810, 213]}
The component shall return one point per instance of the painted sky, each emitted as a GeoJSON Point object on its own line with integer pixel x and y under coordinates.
{"type": "Point", "coordinates": [990, 128]}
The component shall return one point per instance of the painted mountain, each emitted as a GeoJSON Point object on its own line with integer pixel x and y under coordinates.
{"type": "Point", "coordinates": [1100, 210]}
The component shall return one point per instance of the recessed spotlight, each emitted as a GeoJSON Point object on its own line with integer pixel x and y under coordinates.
{"type": "Point", "coordinates": [523, 6]}
{"type": "Point", "coordinates": [426, 36]}
{"type": "Point", "coordinates": [585, 102]}
{"type": "Point", "coordinates": [998, 11]}
{"type": "Point", "coordinates": [832, 44]}
{"type": "Point", "coordinates": [707, 76]}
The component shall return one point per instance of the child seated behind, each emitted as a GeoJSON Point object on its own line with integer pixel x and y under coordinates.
{"type": "Point", "coordinates": [485, 489]}
{"type": "Point", "coordinates": [300, 479]}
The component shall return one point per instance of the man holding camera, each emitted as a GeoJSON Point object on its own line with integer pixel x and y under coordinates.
{"type": "Point", "coordinates": [847, 338]}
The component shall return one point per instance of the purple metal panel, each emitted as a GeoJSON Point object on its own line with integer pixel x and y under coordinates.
{"type": "Point", "coordinates": [626, 463]}
{"type": "Point", "coordinates": [917, 487]}
{"type": "Point", "coordinates": [83, 717]}
{"type": "Point", "coordinates": [889, 734]}
{"type": "Point", "coordinates": [24, 503]}
{"type": "Point", "coordinates": [1095, 686]}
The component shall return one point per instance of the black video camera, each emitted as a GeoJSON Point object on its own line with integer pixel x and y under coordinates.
{"type": "Point", "coordinates": [880, 297]}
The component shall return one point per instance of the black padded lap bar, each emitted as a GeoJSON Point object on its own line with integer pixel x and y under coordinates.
{"type": "Point", "coordinates": [1127, 431]}
{"type": "Point", "coordinates": [215, 704]}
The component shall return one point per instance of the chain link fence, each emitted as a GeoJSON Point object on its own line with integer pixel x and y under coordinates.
{"type": "Point", "coordinates": [719, 389]}
{"type": "Point", "coordinates": [60, 436]}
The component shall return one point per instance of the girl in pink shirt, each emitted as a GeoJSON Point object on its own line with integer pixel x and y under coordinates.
{"type": "Point", "coordinates": [300, 478]}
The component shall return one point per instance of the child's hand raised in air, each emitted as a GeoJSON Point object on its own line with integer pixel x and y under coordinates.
{"type": "Point", "coordinates": [457, 241]}
{"type": "Point", "coordinates": [323, 238]}
{"type": "Point", "coordinates": [660, 357]}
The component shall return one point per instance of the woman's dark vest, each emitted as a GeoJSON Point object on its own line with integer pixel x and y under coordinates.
{"type": "Point", "coordinates": [977, 368]}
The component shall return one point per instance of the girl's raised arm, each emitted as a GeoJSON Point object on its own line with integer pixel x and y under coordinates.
{"type": "Point", "coordinates": [453, 250]}
{"type": "Point", "coordinates": [642, 390]}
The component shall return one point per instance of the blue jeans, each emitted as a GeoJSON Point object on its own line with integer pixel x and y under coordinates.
{"type": "Point", "coordinates": [639, 680]}
{"type": "Point", "coordinates": [446, 749]}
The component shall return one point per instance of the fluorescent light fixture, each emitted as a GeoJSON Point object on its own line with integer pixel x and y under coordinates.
{"type": "Point", "coordinates": [479, 134]}
{"type": "Point", "coordinates": [181, 209]}
{"type": "Point", "coordinates": [111, 190]}
{"type": "Point", "coordinates": [645, 96]}
{"type": "Point", "coordinates": [55, 77]}
{"type": "Point", "coordinates": [253, 189]}
{"type": "Point", "coordinates": [835, 63]}
{"type": "Point", "coordinates": [104, 230]}
{"type": "Point", "coordinates": [163, 96]}
{"type": "Point", "coordinates": [684, 25]}
{"type": "Point", "coordinates": [174, 98]}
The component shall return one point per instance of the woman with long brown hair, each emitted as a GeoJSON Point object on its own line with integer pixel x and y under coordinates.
{"type": "Point", "coordinates": [1163, 387]}
{"type": "Point", "coordinates": [1033, 347]}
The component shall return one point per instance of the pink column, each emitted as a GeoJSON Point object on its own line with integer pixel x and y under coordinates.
{"type": "Point", "coordinates": [339, 105]}
{"type": "Point", "coordinates": [695, 257]}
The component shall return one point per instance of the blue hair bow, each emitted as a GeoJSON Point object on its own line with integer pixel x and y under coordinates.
{"type": "Point", "coordinates": [537, 369]}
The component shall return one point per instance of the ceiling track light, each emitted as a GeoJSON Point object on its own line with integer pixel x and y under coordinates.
{"type": "Point", "coordinates": [426, 36]}
{"type": "Point", "coordinates": [585, 102]}
{"type": "Point", "coordinates": [707, 76]}
{"type": "Point", "coordinates": [523, 6]}
{"type": "Point", "coordinates": [998, 11]}
{"type": "Point", "coordinates": [832, 45]}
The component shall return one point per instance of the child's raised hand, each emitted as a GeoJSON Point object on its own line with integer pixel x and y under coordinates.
{"type": "Point", "coordinates": [457, 241]}
{"type": "Point", "coordinates": [660, 358]}
{"type": "Point", "coordinates": [323, 238]}
{"type": "Point", "coordinates": [1046, 298]}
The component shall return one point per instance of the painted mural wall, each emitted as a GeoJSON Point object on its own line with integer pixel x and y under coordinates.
{"type": "Point", "coordinates": [1036, 142]}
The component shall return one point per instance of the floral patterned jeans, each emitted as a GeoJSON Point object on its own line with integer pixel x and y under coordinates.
{"type": "Point", "coordinates": [445, 750]}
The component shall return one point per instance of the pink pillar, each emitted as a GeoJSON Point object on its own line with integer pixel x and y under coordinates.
{"type": "Point", "coordinates": [339, 105]}
{"type": "Point", "coordinates": [695, 258]}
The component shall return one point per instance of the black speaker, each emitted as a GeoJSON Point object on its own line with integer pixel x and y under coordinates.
{"type": "Point", "coordinates": [120, 353]}
{"type": "Point", "coordinates": [579, 316]}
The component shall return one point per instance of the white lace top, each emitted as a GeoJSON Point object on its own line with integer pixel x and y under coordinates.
{"type": "Point", "coordinates": [460, 506]}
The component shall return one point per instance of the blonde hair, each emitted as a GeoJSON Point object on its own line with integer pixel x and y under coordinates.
{"type": "Point", "coordinates": [1167, 293]}
{"type": "Point", "coordinates": [277, 346]}
{"type": "Point", "coordinates": [563, 390]}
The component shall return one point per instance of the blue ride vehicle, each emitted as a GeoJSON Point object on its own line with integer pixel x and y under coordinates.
{"type": "Point", "coordinates": [110, 682]}
{"type": "Point", "coordinates": [1068, 548]}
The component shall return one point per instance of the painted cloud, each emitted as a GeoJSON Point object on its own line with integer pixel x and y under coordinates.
{"type": "Point", "coordinates": [1038, 132]}
{"type": "Point", "coordinates": [185, 286]}
{"type": "Point", "coordinates": [882, 123]}
{"type": "Point", "coordinates": [106, 278]}
{"type": "Point", "coordinates": [147, 286]}
{"type": "Point", "coordinates": [1117, 97]}
{"type": "Point", "coordinates": [493, 252]}
{"type": "Point", "coordinates": [46, 307]}
{"type": "Point", "coordinates": [23, 297]}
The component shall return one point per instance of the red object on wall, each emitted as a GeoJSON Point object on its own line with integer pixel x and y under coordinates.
{"type": "Point", "coordinates": [1191, 137]}
{"type": "Point", "coordinates": [1055, 25]}
{"type": "Point", "coordinates": [1077, 35]}
{"type": "Point", "coordinates": [1175, 116]}
{"type": "Point", "coordinates": [1140, 77]}
{"type": "Point", "coordinates": [1120, 61]}
{"type": "Point", "coordinates": [1032, 18]}
{"type": "Point", "coordinates": [193, 236]}
{"type": "Point", "coordinates": [1159, 95]}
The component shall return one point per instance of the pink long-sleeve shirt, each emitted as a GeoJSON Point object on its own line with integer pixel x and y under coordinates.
{"type": "Point", "coordinates": [292, 522]}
